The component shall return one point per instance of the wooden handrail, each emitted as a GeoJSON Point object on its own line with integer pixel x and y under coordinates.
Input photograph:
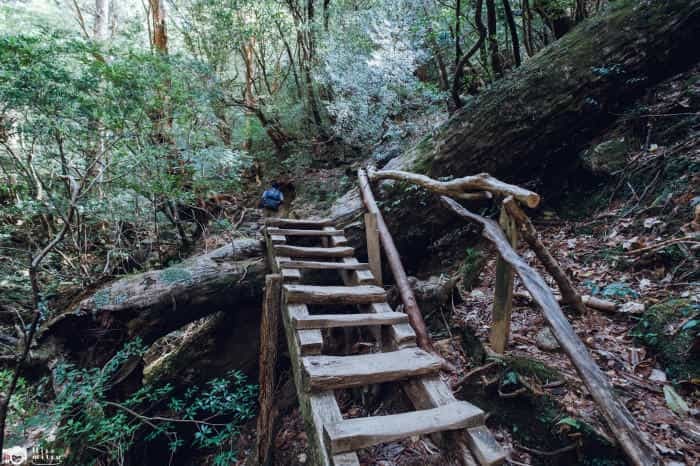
{"type": "Point", "coordinates": [618, 418]}
{"type": "Point", "coordinates": [415, 318]}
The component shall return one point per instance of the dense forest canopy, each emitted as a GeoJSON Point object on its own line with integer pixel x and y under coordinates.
{"type": "Point", "coordinates": [137, 133]}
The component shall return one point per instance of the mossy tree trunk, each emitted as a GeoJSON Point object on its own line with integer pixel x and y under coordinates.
{"type": "Point", "coordinates": [532, 123]}
{"type": "Point", "coordinates": [152, 304]}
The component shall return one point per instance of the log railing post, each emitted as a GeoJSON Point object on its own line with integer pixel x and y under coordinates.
{"type": "Point", "coordinates": [374, 254]}
{"type": "Point", "coordinates": [503, 295]}
{"type": "Point", "coordinates": [394, 260]}
{"type": "Point", "coordinates": [269, 333]}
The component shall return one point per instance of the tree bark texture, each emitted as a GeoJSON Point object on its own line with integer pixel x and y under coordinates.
{"type": "Point", "coordinates": [153, 304]}
{"type": "Point", "coordinates": [538, 117]}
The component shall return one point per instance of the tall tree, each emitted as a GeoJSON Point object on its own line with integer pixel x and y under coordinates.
{"type": "Point", "coordinates": [513, 31]}
{"type": "Point", "coordinates": [101, 29]}
{"type": "Point", "coordinates": [492, 23]}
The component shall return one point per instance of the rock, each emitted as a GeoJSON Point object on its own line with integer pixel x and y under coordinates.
{"type": "Point", "coordinates": [432, 293]}
{"type": "Point", "coordinates": [607, 157]}
{"type": "Point", "coordinates": [545, 340]}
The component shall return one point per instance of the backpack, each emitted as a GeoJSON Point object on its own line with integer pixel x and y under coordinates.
{"type": "Point", "coordinates": [272, 198]}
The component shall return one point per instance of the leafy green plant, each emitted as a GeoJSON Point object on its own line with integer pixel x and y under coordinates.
{"type": "Point", "coordinates": [86, 415]}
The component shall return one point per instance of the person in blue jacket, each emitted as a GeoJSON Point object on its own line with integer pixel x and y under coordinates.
{"type": "Point", "coordinates": [272, 198]}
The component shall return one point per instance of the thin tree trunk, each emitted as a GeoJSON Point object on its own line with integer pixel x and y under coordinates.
{"type": "Point", "coordinates": [491, 21]}
{"type": "Point", "coordinates": [101, 29]}
{"type": "Point", "coordinates": [513, 32]}
{"type": "Point", "coordinates": [249, 97]}
{"type": "Point", "coordinates": [459, 68]}
{"type": "Point", "coordinates": [527, 28]}
{"type": "Point", "coordinates": [160, 36]}
{"type": "Point", "coordinates": [458, 32]}
{"type": "Point", "coordinates": [326, 14]}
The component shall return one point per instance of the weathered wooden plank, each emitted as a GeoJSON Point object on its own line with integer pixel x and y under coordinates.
{"type": "Point", "coordinates": [485, 447]}
{"type": "Point", "coordinates": [269, 331]}
{"type": "Point", "coordinates": [325, 411]}
{"type": "Point", "coordinates": [354, 434]}
{"type": "Point", "coordinates": [278, 239]}
{"type": "Point", "coordinates": [337, 240]}
{"type": "Point", "coordinates": [616, 414]}
{"type": "Point", "coordinates": [324, 265]}
{"type": "Point", "coordinates": [300, 232]}
{"type": "Point", "coordinates": [374, 253]}
{"type": "Point", "coordinates": [349, 320]}
{"type": "Point", "coordinates": [430, 392]}
{"type": "Point", "coordinates": [299, 223]}
{"type": "Point", "coordinates": [289, 275]}
{"type": "Point", "coordinates": [300, 251]}
{"type": "Point", "coordinates": [402, 335]}
{"type": "Point", "coordinates": [332, 372]}
{"type": "Point", "coordinates": [317, 408]}
{"type": "Point", "coordinates": [310, 341]}
{"type": "Point", "coordinates": [310, 294]}
{"type": "Point", "coordinates": [503, 293]}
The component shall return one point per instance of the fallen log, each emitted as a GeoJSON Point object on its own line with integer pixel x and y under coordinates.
{"type": "Point", "coordinates": [616, 415]}
{"type": "Point", "coordinates": [155, 303]}
{"type": "Point", "coordinates": [535, 121]}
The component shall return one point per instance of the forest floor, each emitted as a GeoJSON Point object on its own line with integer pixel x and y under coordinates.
{"type": "Point", "coordinates": [593, 252]}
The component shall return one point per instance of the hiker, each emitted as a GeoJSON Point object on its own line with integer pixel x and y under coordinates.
{"type": "Point", "coordinates": [272, 198]}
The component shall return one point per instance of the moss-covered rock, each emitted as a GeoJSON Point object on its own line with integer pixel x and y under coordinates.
{"type": "Point", "coordinates": [607, 157]}
{"type": "Point", "coordinates": [665, 329]}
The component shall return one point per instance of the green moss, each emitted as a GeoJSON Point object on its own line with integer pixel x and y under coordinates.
{"type": "Point", "coordinates": [658, 329]}
{"type": "Point", "coordinates": [532, 368]}
{"type": "Point", "coordinates": [176, 275]}
{"type": "Point", "coordinates": [471, 267]}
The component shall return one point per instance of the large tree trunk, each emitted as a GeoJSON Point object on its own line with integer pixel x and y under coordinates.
{"type": "Point", "coordinates": [152, 304]}
{"type": "Point", "coordinates": [541, 115]}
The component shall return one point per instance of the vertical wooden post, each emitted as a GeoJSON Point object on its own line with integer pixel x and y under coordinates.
{"type": "Point", "coordinates": [269, 333]}
{"type": "Point", "coordinates": [394, 260]}
{"type": "Point", "coordinates": [503, 296]}
{"type": "Point", "coordinates": [374, 254]}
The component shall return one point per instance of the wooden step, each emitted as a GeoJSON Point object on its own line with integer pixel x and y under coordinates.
{"type": "Point", "coordinates": [310, 294]}
{"type": "Point", "coordinates": [299, 223]}
{"type": "Point", "coordinates": [293, 232]}
{"type": "Point", "coordinates": [349, 320]}
{"type": "Point", "coordinates": [324, 265]}
{"type": "Point", "coordinates": [333, 372]}
{"type": "Point", "coordinates": [401, 335]}
{"type": "Point", "coordinates": [309, 341]}
{"type": "Point", "coordinates": [354, 434]}
{"type": "Point", "coordinates": [289, 275]}
{"type": "Point", "coordinates": [299, 251]}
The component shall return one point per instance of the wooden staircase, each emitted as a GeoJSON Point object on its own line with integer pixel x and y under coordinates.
{"type": "Point", "coordinates": [454, 424]}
